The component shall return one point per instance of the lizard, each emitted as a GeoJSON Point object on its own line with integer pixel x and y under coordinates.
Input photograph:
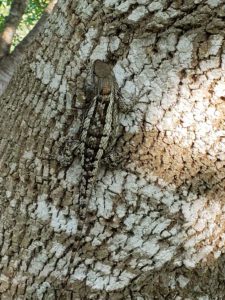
{"type": "Point", "coordinates": [98, 134]}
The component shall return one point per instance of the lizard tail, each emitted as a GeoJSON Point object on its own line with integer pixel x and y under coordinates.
{"type": "Point", "coordinates": [85, 191]}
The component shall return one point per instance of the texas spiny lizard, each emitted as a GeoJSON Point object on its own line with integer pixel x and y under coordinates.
{"type": "Point", "coordinates": [98, 133]}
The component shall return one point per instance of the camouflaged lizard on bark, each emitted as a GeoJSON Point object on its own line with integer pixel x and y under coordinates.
{"type": "Point", "coordinates": [97, 134]}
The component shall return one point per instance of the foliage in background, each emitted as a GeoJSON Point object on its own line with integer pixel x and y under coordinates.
{"type": "Point", "coordinates": [31, 16]}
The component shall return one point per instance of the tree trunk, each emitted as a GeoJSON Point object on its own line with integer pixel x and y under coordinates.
{"type": "Point", "coordinates": [159, 227]}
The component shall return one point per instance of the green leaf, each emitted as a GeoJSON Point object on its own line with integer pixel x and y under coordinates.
{"type": "Point", "coordinates": [32, 14]}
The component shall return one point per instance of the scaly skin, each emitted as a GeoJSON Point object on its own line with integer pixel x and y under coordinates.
{"type": "Point", "coordinates": [97, 135]}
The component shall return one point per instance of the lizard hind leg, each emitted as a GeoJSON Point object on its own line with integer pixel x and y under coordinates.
{"type": "Point", "coordinates": [69, 151]}
{"type": "Point", "coordinates": [113, 156]}
{"type": "Point", "coordinates": [117, 157]}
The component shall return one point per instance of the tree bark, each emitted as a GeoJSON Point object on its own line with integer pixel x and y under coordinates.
{"type": "Point", "coordinates": [159, 227]}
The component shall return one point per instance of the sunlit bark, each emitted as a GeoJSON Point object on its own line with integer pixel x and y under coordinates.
{"type": "Point", "coordinates": [160, 227]}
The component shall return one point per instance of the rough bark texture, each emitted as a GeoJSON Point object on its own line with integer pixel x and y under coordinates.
{"type": "Point", "coordinates": [160, 227]}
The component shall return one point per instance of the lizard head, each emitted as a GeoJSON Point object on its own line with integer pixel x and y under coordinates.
{"type": "Point", "coordinates": [102, 69]}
